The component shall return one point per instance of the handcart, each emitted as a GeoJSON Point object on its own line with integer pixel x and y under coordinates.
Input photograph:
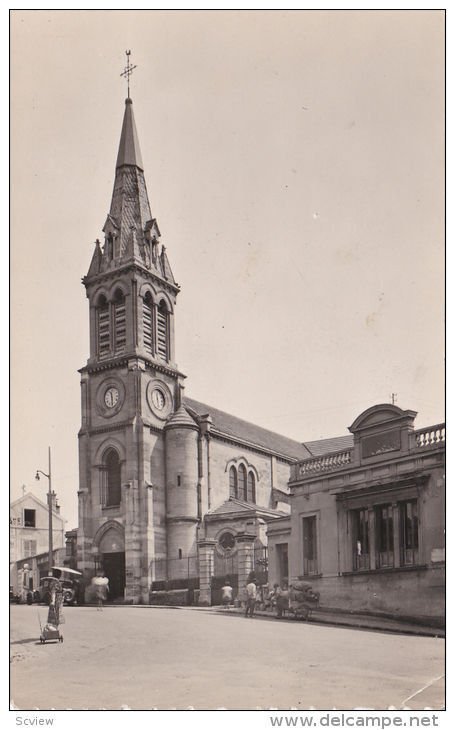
{"type": "Point", "coordinates": [302, 599]}
{"type": "Point", "coordinates": [299, 600]}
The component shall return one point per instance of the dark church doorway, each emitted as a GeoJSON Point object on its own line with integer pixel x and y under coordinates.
{"type": "Point", "coordinates": [114, 569]}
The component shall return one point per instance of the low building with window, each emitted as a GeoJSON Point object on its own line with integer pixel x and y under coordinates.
{"type": "Point", "coordinates": [29, 530]}
{"type": "Point", "coordinates": [367, 519]}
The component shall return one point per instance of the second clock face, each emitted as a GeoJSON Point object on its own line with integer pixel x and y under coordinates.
{"type": "Point", "coordinates": [111, 397]}
{"type": "Point", "coordinates": [158, 399]}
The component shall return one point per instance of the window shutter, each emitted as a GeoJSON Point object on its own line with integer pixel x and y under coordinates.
{"type": "Point", "coordinates": [147, 313]}
{"type": "Point", "coordinates": [120, 325]}
{"type": "Point", "coordinates": [103, 330]}
{"type": "Point", "coordinates": [162, 349]}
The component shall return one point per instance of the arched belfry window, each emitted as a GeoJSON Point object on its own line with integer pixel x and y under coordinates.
{"type": "Point", "coordinates": [162, 331]}
{"type": "Point", "coordinates": [103, 327]}
{"type": "Point", "coordinates": [242, 483]}
{"type": "Point", "coordinates": [111, 474]}
{"type": "Point", "coordinates": [251, 488]}
{"type": "Point", "coordinates": [147, 314]}
{"type": "Point", "coordinates": [233, 491]}
{"type": "Point", "coordinates": [119, 314]}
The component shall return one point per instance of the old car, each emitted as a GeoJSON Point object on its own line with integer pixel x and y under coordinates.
{"type": "Point", "coordinates": [69, 580]}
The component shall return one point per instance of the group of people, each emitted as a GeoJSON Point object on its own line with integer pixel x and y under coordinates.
{"type": "Point", "coordinates": [251, 595]}
{"type": "Point", "coordinates": [274, 599]}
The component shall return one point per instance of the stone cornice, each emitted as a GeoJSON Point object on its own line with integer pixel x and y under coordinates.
{"type": "Point", "coordinates": [105, 429]}
{"type": "Point", "coordinates": [123, 361]}
{"type": "Point", "coordinates": [215, 433]}
{"type": "Point", "coordinates": [125, 269]}
{"type": "Point", "coordinates": [181, 518]}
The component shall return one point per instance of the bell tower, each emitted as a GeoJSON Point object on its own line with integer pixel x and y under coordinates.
{"type": "Point", "coordinates": [130, 385]}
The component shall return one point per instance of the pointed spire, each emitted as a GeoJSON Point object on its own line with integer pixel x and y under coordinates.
{"type": "Point", "coordinates": [131, 234]}
{"type": "Point", "coordinates": [129, 152]}
{"type": "Point", "coordinates": [96, 260]}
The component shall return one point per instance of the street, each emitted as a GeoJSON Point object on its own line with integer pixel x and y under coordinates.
{"type": "Point", "coordinates": [143, 658]}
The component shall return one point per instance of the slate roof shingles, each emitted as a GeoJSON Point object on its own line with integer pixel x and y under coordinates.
{"type": "Point", "coordinates": [238, 428]}
{"type": "Point", "coordinates": [328, 446]}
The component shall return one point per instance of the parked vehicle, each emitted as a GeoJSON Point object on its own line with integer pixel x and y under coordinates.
{"type": "Point", "coordinates": [13, 597]}
{"type": "Point", "coordinates": [69, 581]}
{"type": "Point", "coordinates": [45, 589]}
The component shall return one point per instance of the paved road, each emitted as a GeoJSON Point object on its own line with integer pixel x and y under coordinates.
{"type": "Point", "coordinates": [143, 657]}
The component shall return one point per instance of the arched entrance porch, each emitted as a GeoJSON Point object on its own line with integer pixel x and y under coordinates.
{"type": "Point", "coordinates": [111, 547]}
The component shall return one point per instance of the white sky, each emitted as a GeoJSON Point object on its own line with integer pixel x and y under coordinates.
{"type": "Point", "coordinates": [295, 164]}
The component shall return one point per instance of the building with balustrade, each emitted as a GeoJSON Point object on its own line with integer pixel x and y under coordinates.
{"type": "Point", "coordinates": [367, 518]}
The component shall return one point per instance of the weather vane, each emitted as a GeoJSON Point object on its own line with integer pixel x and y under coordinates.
{"type": "Point", "coordinates": [128, 70]}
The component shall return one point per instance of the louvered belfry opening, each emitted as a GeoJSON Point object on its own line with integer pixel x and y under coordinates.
{"type": "Point", "coordinates": [119, 322]}
{"type": "Point", "coordinates": [103, 327]}
{"type": "Point", "coordinates": [147, 314]}
{"type": "Point", "coordinates": [162, 346]}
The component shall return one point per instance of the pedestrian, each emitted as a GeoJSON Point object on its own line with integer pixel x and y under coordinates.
{"type": "Point", "coordinates": [251, 593]}
{"type": "Point", "coordinates": [55, 611]}
{"type": "Point", "coordinates": [101, 586]}
{"type": "Point", "coordinates": [282, 600]}
{"type": "Point", "coordinates": [226, 594]}
{"type": "Point", "coordinates": [274, 596]}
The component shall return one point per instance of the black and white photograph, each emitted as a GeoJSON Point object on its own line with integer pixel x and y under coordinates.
{"type": "Point", "coordinates": [227, 349]}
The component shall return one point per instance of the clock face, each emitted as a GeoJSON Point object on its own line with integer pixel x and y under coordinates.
{"type": "Point", "coordinates": [111, 397]}
{"type": "Point", "coordinates": [158, 399]}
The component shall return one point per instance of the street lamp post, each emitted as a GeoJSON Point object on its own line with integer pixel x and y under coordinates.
{"type": "Point", "coordinates": [49, 502]}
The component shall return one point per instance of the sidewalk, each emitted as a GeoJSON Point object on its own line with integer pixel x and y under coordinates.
{"type": "Point", "coordinates": [359, 621]}
{"type": "Point", "coordinates": [321, 616]}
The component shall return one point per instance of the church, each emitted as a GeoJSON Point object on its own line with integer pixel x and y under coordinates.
{"type": "Point", "coordinates": [175, 495]}
{"type": "Point", "coordinates": [172, 492]}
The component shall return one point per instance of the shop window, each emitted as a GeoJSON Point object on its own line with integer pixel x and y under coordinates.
{"type": "Point", "coordinates": [310, 553]}
{"type": "Point", "coordinates": [360, 539]}
{"type": "Point", "coordinates": [409, 532]}
{"type": "Point", "coordinates": [384, 536]}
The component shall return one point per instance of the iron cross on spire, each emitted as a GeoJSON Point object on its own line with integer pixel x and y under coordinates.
{"type": "Point", "coordinates": [128, 70]}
